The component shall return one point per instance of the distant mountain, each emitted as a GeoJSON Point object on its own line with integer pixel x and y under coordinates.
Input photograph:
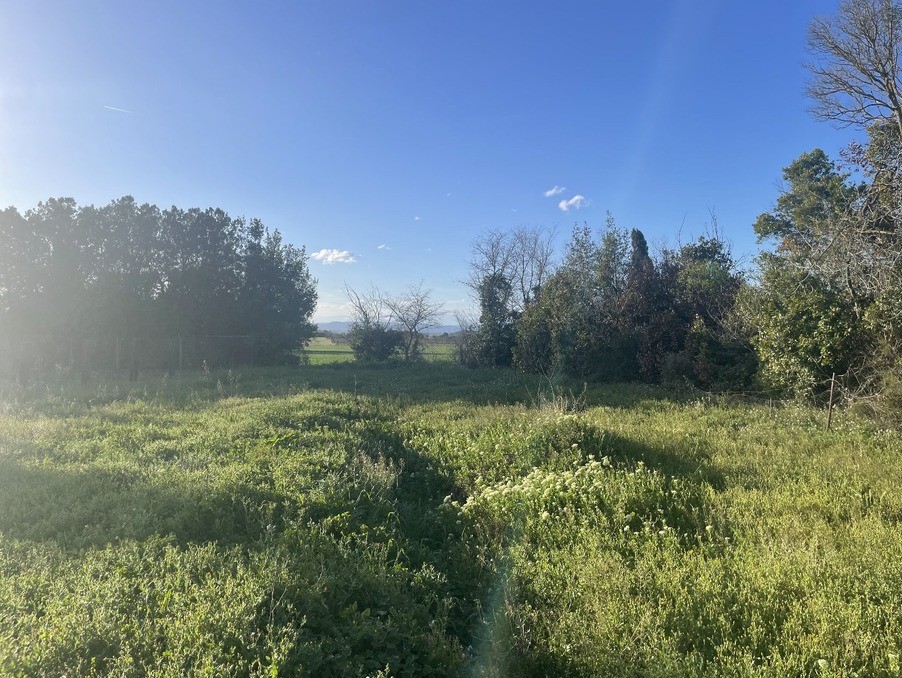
{"type": "Point", "coordinates": [341, 327]}
{"type": "Point", "coordinates": [337, 327]}
{"type": "Point", "coordinates": [442, 329]}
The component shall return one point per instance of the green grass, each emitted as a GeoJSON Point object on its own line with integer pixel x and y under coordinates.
{"type": "Point", "coordinates": [343, 520]}
{"type": "Point", "coordinates": [323, 351]}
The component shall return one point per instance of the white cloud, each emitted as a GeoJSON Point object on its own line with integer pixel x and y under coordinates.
{"type": "Point", "coordinates": [575, 202]}
{"type": "Point", "coordinates": [383, 247]}
{"type": "Point", "coordinates": [417, 218]}
{"type": "Point", "coordinates": [557, 190]}
{"type": "Point", "coordinates": [332, 256]}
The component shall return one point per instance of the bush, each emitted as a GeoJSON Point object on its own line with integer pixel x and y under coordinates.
{"type": "Point", "coordinates": [374, 343]}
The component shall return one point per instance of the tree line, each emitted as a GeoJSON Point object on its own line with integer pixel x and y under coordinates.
{"type": "Point", "coordinates": [135, 271]}
{"type": "Point", "coordinates": [823, 305]}
{"type": "Point", "coordinates": [610, 311]}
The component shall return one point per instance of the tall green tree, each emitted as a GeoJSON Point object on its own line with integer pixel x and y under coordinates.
{"type": "Point", "coordinates": [703, 283]}
{"type": "Point", "coordinates": [575, 326]}
{"type": "Point", "coordinates": [811, 308]}
{"type": "Point", "coordinates": [497, 322]}
{"type": "Point", "coordinates": [71, 274]}
{"type": "Point", "coordinates": [277, 295]}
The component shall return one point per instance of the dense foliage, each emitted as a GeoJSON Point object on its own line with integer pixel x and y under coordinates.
{"type": "Point", "coordinates": [71, 274]}
{"type": "Point", "coordinates": [610, 312]}
{"type": "Point", "coordinates": [374, 343]}
{"type": "Point", "coordinates": [827, 300]}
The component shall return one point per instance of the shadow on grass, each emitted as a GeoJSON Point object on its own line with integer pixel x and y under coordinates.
{"type": "Point", "coordinates": [679, 459]}
{"type": "Point", "coordinates": [378, 515]}
{"type": "Point", "coordinates": [390, 496]}
{"type": "Point", "coordinates": [350, 602]}
{"type": "Point", "coordinates": [63, 393]}
{"type": "Point", "coordinates": [372, 533]}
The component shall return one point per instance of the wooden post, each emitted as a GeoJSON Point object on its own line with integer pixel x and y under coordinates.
{"type": "Point", "coordinates": [830, 403]}
{"type": "Point", "coordinates": [180, 351]}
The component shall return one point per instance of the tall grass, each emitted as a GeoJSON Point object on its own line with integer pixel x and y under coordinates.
{"type": "Point", "coordinates": [339, 520]}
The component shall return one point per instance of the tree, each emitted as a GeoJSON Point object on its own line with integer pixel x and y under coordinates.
{"type": "Point", "coordinates": [574, 325]}
{"type": "Point", "coordinates": [61, 266]}
{"type": "Point", "coordinates": [646, 310]}
{"type": "Point", "coordinates": [415, 312]}
{"type": "Point", "coordinates": [815, 196]}
{"type": "Point", "coordinates": [819, 224]}
{"type": "Point", "coordinates": [855, 75]}
{"type": "Point", "coordinates": [508, 270]}
{"type": "Point", "coordinates": [72, 276]}
{"type": "Point", "coordinates": [522, 257]}
{"type": "Point", "coordinates": [827, 299]}
{"type": "Point", "coordinates": [806, 329]}
{"type": "Point", "coordinates": [126, 276]}
{"type": "Point", "coordinates": [857, 81]}
{"type": "Point", "coordinates": [202, 269]}
{"type": "Point", "coordinates": [531, 263]}
{"type": "Point", "coordinates": [702, 283]}
{"type": "Point", "coordinates": [19, 262]}
{"type": "Point", "coordinates": [277, 296]}
{"type": "Point", "coordinates": [497, 323]}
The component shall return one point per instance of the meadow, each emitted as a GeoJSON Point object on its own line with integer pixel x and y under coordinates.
{"type": "Point", "coordinates": [326, 351]}
{"type": "Point", "coordinates": [430, 520]}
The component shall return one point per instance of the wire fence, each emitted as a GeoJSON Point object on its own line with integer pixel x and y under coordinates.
{"type": "Point", "coordinates": [26, 356]}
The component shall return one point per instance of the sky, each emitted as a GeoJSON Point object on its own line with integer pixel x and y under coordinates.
{"type": "Point", "coordinates": [385, 136]}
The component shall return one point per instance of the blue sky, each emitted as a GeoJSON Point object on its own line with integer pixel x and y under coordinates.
{"type": "Point", "coordinates": [396, 131]}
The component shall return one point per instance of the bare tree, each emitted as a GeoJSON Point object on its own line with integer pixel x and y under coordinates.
{"type": "Point", "coordinates": [533, 249]}
{"type": "Point", "coordinates": [491, 258]}
{"type": "Point", "coordinates": [522, 257]}
{"type": "Point", "coordinates": [368, 309]}
{"type": "Point", "coordinates": [856, 68]}
{"type": "Point", "coordinates": [415, 312]}
{"type": "Point", "coordinates": [856, 80]}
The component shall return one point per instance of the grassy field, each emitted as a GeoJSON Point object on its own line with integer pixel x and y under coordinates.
{"type": "Point", "coordinates": [324, 351]}
{"type": "Point", "coordinates": [339, 520]}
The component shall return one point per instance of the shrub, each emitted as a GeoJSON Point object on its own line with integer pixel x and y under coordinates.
{"type": "Point", "coordinates": [374, 343]}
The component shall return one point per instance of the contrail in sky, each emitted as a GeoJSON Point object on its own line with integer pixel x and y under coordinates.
{"type": "Point", "coordinates": [120, 110]}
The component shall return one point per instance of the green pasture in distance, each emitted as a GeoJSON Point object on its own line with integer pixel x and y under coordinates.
{"type": "Point", "coordinates": [325, 351]}
{"type": "Point", "coordinates": [430, 520]}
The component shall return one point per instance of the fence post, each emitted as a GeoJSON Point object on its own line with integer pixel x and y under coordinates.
{"type": "Point", "coordinates": [180, 351]}
{"type": "Point", "coordinates": [830, 403]}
